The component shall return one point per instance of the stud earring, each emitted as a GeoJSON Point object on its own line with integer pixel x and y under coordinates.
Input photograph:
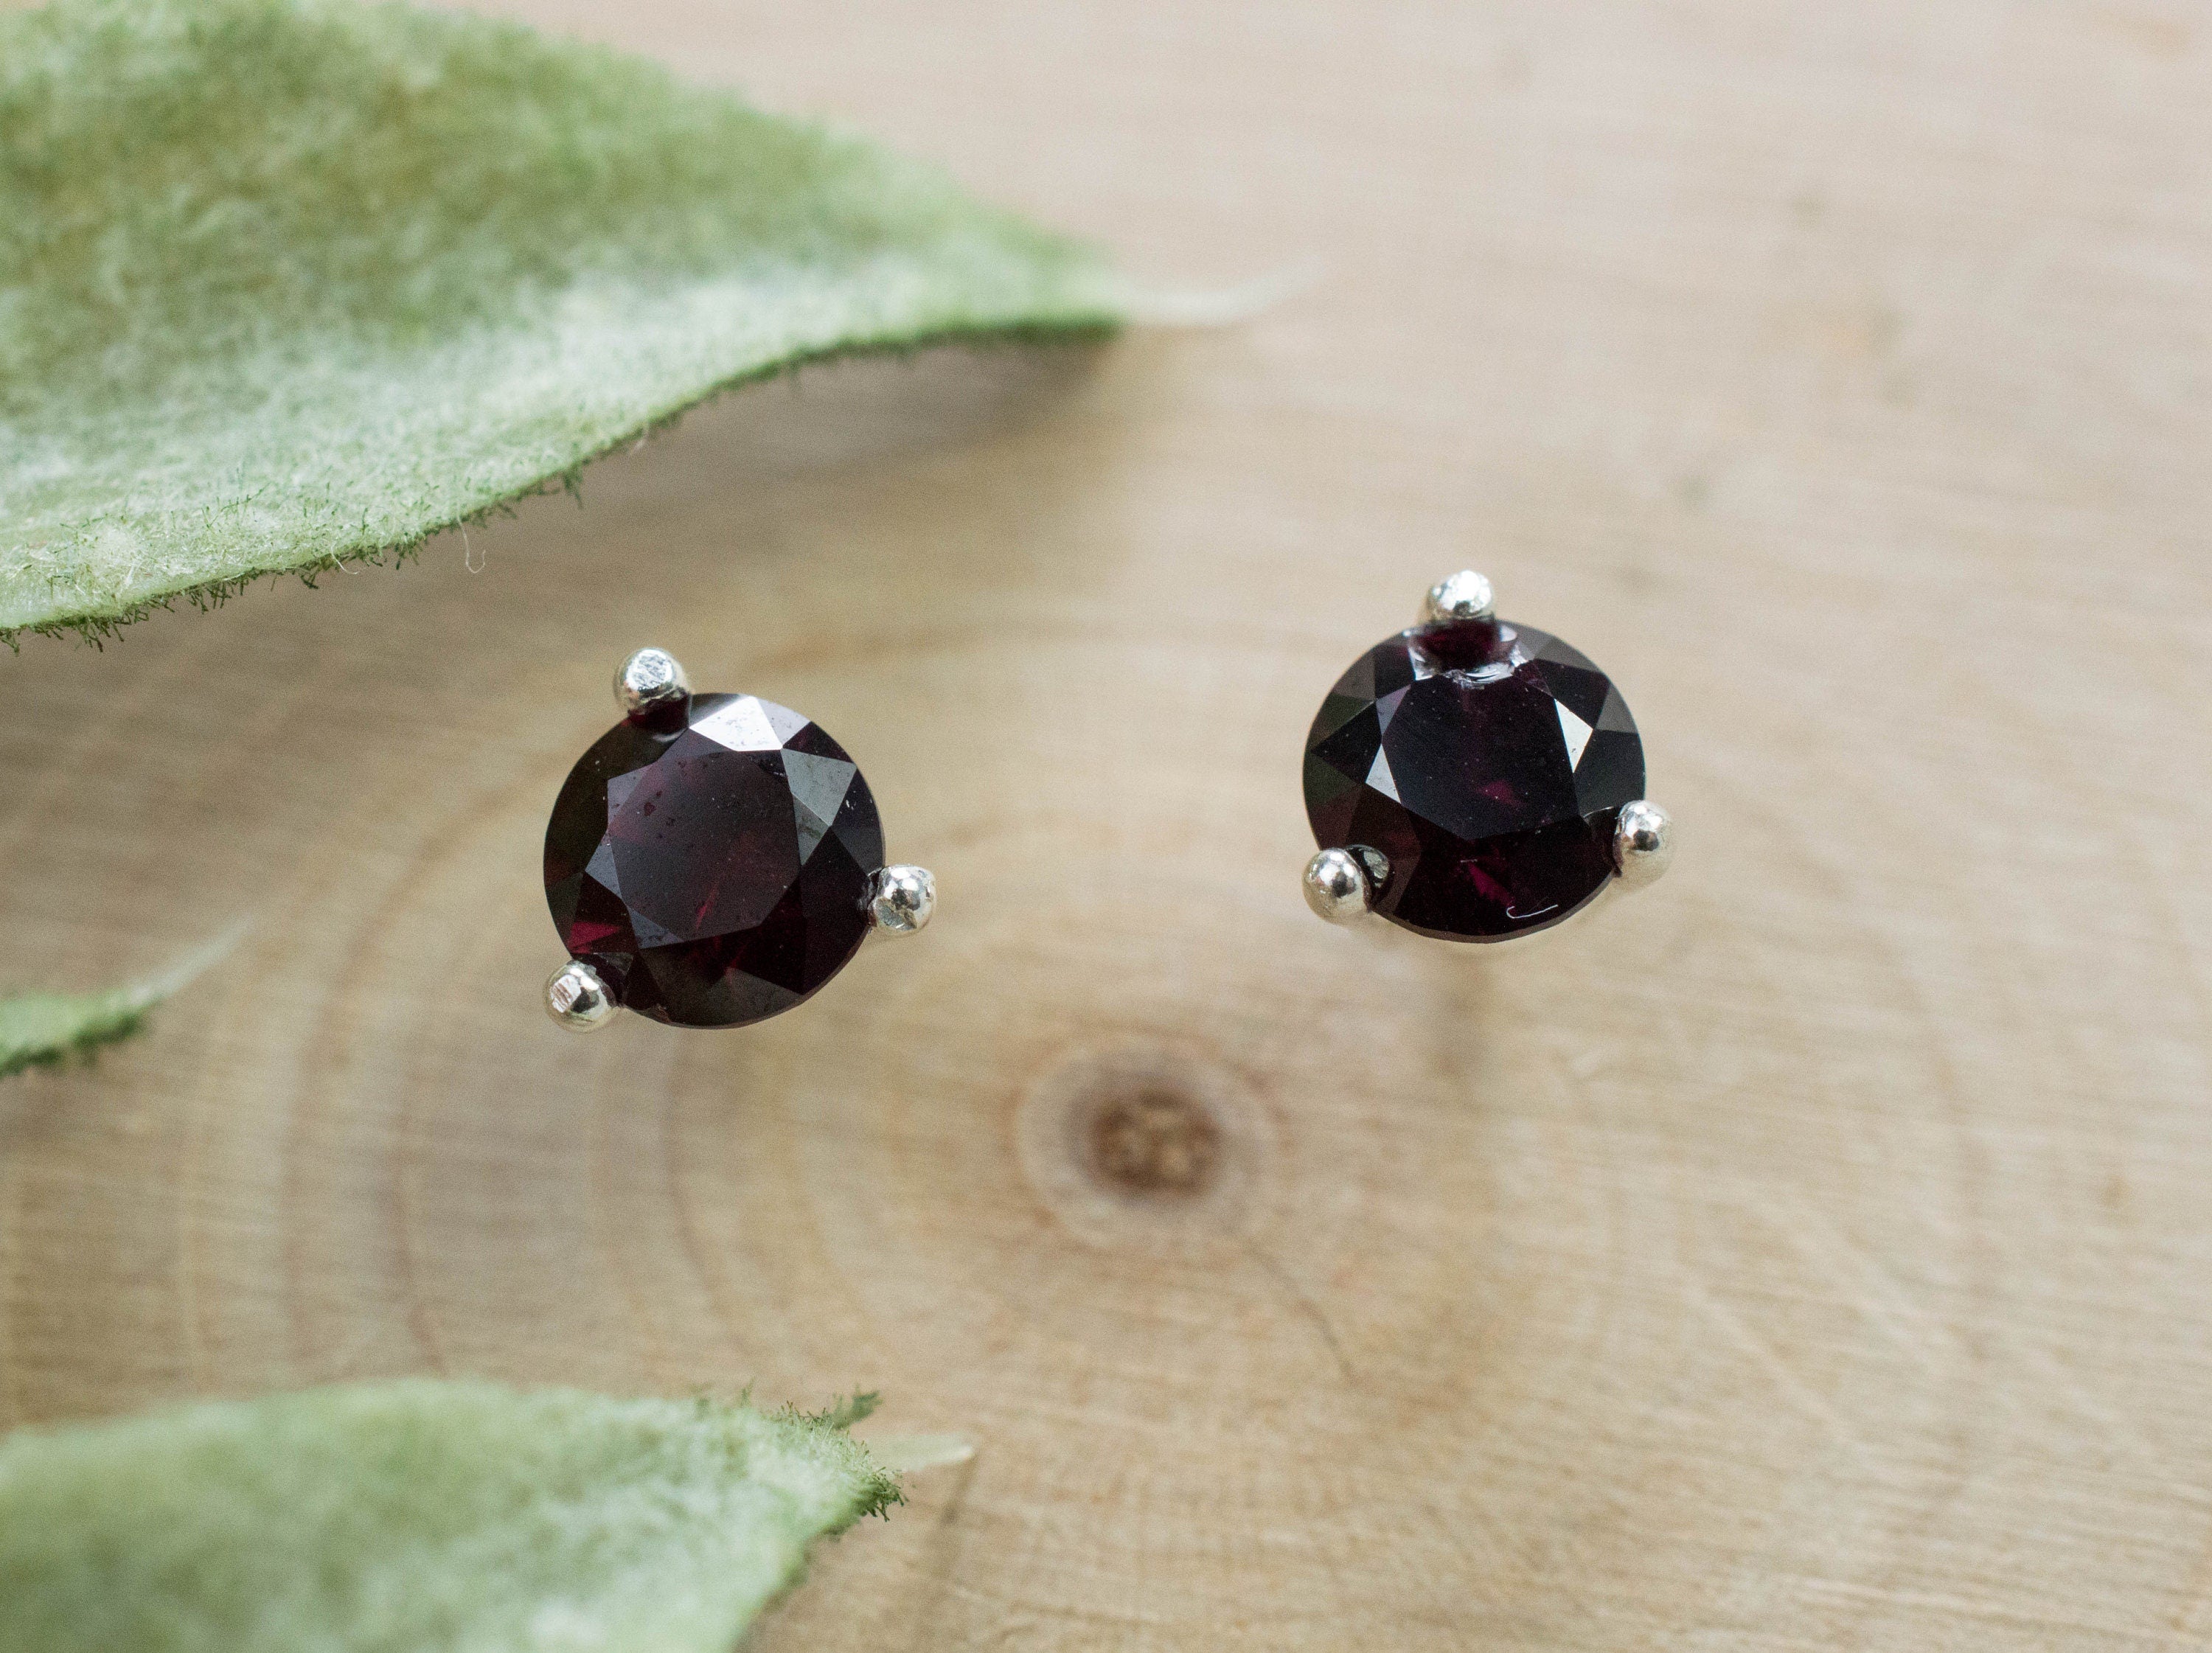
{"type": "Point", "coordinates": [1473, 780]}
{"type": "Point", "coordinates": [712, 860]}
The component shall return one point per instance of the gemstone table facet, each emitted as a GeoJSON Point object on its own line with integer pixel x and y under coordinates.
{"type": "Point", "coordinates": [1489, 763]}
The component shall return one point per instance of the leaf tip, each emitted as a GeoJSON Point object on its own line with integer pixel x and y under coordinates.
{"type": "Point", "coordinates": [904, 1454]}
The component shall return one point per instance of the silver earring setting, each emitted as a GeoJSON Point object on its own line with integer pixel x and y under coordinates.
{"type": "Point", "coordinates": [1473, 780]}
{"type": "Point", "coordinates": [714, 859]}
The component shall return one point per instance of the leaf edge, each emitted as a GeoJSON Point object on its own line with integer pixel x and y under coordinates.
{"type": "Point", "coordinates": [97, 627]}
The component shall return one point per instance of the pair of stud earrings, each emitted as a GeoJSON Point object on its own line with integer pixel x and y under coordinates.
{"type": "Point", "coordinates": [714, 859]}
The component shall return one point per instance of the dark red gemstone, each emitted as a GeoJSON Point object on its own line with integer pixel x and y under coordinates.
{"type": "Point", "coordinates": [1489, 763]}
{"type": "Point", "coordinates": [713, 863]}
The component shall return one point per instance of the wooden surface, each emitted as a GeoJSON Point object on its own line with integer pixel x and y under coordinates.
{"type": "Point", "coordinates": [1813, 1253]}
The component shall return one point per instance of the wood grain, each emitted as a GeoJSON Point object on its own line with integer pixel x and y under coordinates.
{"type": "Point", "coordinates": [1810, 1254]}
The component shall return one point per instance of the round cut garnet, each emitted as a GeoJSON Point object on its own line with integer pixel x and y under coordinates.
{"type": "Point", "coordinates": [712, 861]}
{"type": "Point", "coordinates": [1488, 763]}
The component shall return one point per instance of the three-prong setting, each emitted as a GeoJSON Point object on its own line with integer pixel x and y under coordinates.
{"type": "Point", "coordinates": [1643, 843]}
{"type": "Point", "coordinates": [1475, 779]}
{"type": "Point", "coordinates": [714, 859]}
{"type": "Point", "coordinates": [1463, 596]}
{"type": "Point", "coordinates": [1341, 884]}
{"type": "Point", "coordinates": [648, 678]}
{"type": "Point", "coordinates": [902, 899]}
{"type": "Point", "coordinates": [578, 998]}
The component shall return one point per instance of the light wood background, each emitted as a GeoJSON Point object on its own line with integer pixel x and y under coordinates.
{"type": "Point", "coordinates": [1813, 1253]}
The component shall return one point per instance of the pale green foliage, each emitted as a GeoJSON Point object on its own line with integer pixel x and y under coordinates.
{"type": "Point", "coordinates": [418, 1516]}
{"type": "Point", "coordinates": [44, 1028]}
{"type": "Point", "coordinates": [284, 283]}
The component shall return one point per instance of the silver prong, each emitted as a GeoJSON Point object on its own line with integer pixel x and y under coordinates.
{"type": "Point", "coordinates": [902, 900]}
{"type": "Point", "coordinates": [648, 678]}
{"type": "Point", "coordinates": [1465, 596]}
{"type": "Point", "coordinates": [1340, 883]}
{"type": "Point", "coordinates": [1643, 843]}
{"type": "Point", "coordinates": [577, 997]}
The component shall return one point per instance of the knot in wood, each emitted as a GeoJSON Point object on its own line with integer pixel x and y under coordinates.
{"type": "Point", "coordinates": [1145, 1145]}
{"type": "Point", "coordinates": [1148, 1136]}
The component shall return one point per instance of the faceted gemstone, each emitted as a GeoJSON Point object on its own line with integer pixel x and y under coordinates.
{"type": "Point", "coordinates": [1489, 763]}
{"type": "Point", "coordinates": [712, 861]}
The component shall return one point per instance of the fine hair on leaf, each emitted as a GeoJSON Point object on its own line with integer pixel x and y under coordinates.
{"type": "Point", "coordinates": [216, 365]}
{"type": "Point", "coordinates": [399, 1517]}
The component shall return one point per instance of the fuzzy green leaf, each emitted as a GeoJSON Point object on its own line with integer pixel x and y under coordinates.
{"type": "Point", "coordinates": [41, 1029]}
{"type": "Point", "coordinates": [415, 1516]}
{"type": "Point", "coordinates": [285, 283]}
